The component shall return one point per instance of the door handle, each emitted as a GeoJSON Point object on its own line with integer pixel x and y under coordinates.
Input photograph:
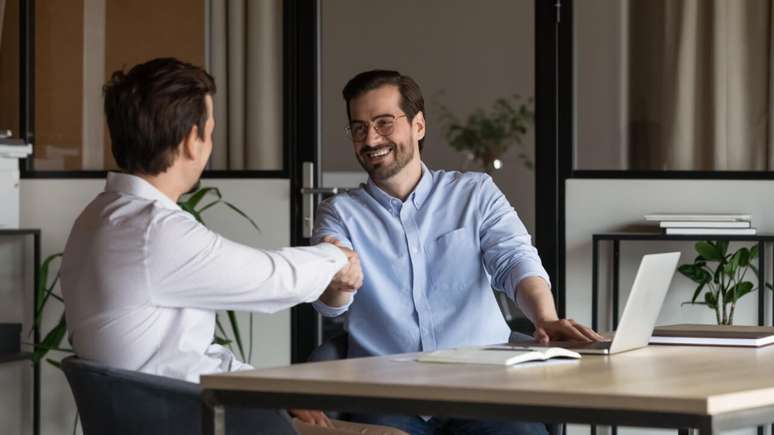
{"type": "Point", "coordinates": [320, 190]}
{"type": "Point", "coordinates": [308, 194]}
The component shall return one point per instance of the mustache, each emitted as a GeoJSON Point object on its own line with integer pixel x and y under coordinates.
{"type": "Point", "coordinates": [367, 150]}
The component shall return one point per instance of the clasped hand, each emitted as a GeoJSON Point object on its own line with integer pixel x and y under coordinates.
{"type": "Point", "coordinates": [350, 277]}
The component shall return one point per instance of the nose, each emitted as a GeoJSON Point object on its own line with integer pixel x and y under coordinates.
{"type": "Point", "coordinates": [372, 137]}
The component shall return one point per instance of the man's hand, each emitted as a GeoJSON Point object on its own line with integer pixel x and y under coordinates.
{"type": "Point", "coordinates": [564, 329]}
{"type": "Point", "coordinates": [346, 281]}
{"type": "Point", "coordinates": [536, 301]}
{"type": "Point", "coordinates": [317, 418]}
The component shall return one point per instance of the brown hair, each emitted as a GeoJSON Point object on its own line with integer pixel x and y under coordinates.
{"type": "Point", "coordinates": [411, 99]}
{"type": "Point", "coordinates": [151, 109]}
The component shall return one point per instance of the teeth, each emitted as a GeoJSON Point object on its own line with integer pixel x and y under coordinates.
{"type": "Point", "coordinates": [379, 153]}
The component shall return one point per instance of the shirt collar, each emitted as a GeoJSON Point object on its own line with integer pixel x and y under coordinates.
{"type": "Point", "coordinates": [418, 196]}
{"type": "Point", "coordinates": [128, 184]}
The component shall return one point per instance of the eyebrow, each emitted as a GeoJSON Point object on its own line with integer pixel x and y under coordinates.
{"type": "Point", "coordinates": [377, 116]}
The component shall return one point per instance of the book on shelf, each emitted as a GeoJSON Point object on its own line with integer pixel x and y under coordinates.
{"type": "Point", "coordinates": [704, 224]}
{"type": "Point", "coordinates": [502, 355]}
{"type": "Point", "coordinates": [713, 335]}
{"type": "Point", "coordinates": [711, 231]}
{"type": "Point", "coordinates": [714, 217]}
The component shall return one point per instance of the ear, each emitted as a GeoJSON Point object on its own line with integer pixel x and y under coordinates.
{"type": "Point", "coordinates": [191, 147]}
{"type": "Point", "coordinates": [418, 124]}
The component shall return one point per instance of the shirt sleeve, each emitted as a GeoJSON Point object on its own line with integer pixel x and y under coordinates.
{"type": "Point", "coordinates": [190, 266]}
{"type": "Point", "coordinates": [509, 256]}
{"type": "Point", "coordinates": [328, 223]}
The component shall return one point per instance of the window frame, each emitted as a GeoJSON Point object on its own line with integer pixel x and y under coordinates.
{"type": "Point", "coordinates": [27, 113]}
{"type": "Point", "coordinates": [554, 139]}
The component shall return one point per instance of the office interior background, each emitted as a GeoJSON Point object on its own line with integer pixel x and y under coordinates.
{"type": "Point", "coordinates": [652, 130]}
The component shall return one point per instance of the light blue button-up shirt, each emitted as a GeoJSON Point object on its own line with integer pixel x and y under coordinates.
{"type": "Point", "coordinates": [429, 263]}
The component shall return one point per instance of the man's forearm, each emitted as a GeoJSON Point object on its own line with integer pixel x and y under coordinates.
{"type": "Point", "coordinates": [535, 300]}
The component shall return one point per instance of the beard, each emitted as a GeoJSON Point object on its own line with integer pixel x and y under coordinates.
{"type": "Point", "coordinates": [384, 170]}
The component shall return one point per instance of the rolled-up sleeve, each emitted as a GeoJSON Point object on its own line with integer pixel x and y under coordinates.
{"type": "Point", "coordinates": [507, 249]}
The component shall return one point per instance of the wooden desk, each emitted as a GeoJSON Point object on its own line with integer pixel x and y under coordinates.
{"type": "Point", "coordinates": [705, 388]}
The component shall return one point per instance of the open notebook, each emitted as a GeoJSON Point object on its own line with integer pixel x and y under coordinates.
{"type": "Point", "coordinates": [496, 355]}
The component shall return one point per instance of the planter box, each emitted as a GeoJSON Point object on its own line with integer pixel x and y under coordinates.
{"type": "Point", "coordinates": [10, 338]}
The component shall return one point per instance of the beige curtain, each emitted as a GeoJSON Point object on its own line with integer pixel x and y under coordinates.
{"type": "Point", "coordinates": [245, 56]}
{"type": "Point", "coordinates": [700, 84]}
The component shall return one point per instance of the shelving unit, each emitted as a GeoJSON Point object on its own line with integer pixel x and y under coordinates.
{"type": "Point", "coordinates": [617, 238]}
{"type": "Point", "coordinates": [21, 356]}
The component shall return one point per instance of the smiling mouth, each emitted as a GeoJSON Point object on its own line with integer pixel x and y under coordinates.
{"type": "Point", "coordinates": [378, 154]}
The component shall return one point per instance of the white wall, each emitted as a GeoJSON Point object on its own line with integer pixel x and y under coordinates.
{"type": "Point", "coordinates": [604, 205]}
{"type": "Point", "coordinates": [53, 205]}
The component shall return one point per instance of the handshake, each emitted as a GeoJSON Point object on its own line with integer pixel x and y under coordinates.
{"type": "Point", "coordinates": [346, 281]}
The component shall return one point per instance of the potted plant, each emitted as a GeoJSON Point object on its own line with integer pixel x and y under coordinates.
{"type": "Point", "coordinates": [485, 136]}
{"type": "Point", "coordinates": [720, 276]}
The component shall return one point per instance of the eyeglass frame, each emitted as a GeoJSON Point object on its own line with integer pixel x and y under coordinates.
{"type": "Point", "coordinates": [372, 121]}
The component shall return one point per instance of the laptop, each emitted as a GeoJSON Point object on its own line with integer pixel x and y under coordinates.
{"type": "Point", "coordinates": [640, 313]}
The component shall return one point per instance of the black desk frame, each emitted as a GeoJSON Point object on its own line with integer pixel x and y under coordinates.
{"type": "Point", "coordinates": [616, 238]}
{"type": "Point", "coordinates": [35, 233]}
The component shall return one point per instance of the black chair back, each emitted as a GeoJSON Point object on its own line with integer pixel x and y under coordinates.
{"type": "Point", "coordinates": [123, 402]}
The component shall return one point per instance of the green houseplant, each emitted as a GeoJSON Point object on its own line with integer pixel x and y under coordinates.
{"type": "Point", "coordinates": [195, 203]}
{"type": "Point", "coordinates": [720, 276]}
{"type": "Point", "coordinates": [485, 136]}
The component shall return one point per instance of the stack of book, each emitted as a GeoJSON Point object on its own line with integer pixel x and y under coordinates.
{"type": "Point", "coordinates": [736, 224]}
{"type": "Point", "coordinates": [714, 335]}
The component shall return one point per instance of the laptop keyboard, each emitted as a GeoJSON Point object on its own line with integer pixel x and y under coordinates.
{"type": "Point", "coordinates": [568, 344]}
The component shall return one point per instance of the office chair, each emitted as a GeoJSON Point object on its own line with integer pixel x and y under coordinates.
{"type": "Point", "coordinates": [123, 402]}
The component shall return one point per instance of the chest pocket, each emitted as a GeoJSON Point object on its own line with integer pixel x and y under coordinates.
{"type": "Point", "coordinates": [455, 260]}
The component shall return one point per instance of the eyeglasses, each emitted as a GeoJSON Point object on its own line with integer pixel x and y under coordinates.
{"type": "Point", "coordinates": [383, 125]}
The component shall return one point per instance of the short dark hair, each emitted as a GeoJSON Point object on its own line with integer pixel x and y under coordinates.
{"type": "Point", "coordinates": [411, 99]}
{"type": "Point", "coordinates": [151, 109]}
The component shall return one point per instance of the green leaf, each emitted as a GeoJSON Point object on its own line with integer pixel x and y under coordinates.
{"type": "Point", "coordinates": [237, 336]}
{"type": "Point", "coordinates": [744, 257]}
{"type": "Point", "coordinates": [753, 252]}
{"type": "Point", "coordinates": [240, 212]}
{"type": "Point", "coordinates": [697, 292]}
{"type": "Point", "coordinates": [722, 246]}
{"type": "Point", "coordinates": [56, 364]}
{"type": "Point", "coordinates": [742, 289]}
{"type": "Point", "coordinates": [250, 338]}
{"type": "Point", "coordinates": [197, 196]}
{"type": "Point", "coordinates": [221, 341]}
{"type": "Point", "coordinates": [732, 265]}
{"type": "Point", "coordinates": [43, 280]}
{"type": "Point", "coordinates": [216, 202]}
{"type": "Point", "coordinates": [52, 340]}
{"type": "Point", "coordinates": [710, 300]}
{"type": "Point", "coordinates": [695, 272]}
{"type": "Point", "coordinates": [709, 251]}
{"type": "Point", "coordinates": [221, 329]}
{"type": "Point", "coordinates": [718, 272]}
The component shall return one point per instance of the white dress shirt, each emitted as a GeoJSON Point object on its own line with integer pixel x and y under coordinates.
{"type": "Point", "coordinates": [142, 281]}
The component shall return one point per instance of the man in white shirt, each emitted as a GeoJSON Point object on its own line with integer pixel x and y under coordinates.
{"type": "Point", "coordinates": [142, 279]}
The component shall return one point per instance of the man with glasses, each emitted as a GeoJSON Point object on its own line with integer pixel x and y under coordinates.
{"type": "Point", "coordinates": [432, 245]}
